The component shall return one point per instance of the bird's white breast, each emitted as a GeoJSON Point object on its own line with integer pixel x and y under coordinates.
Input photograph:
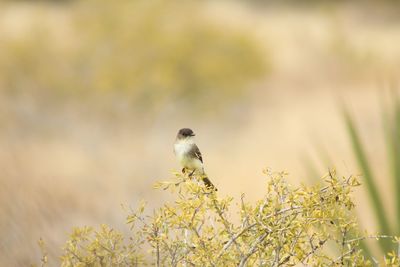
{"type": "Point", "coordinates": [181, 149]}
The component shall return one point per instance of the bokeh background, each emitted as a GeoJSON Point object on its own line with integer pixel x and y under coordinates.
{"type": "Point", "coordinates": [92, 94]}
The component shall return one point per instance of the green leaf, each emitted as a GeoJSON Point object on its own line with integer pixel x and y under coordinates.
{"type": "Point", "coordinates": [365, 166]}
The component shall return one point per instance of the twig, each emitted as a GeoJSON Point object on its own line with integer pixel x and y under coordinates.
{"type": "Point", "coordinates": [368, 237]}
{"type": "Point", "coordinates": [313, 249]}
{"type": "Point", "coordinates": [253, 249]}
{"type": "Point", "coordinates": [341, 257]}
{"type": "Point", "coordinates": [234, 238]}
{"type": "Point", "coordinates": [227, 228]}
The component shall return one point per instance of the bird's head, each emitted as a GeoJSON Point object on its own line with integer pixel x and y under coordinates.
{"type": "Point", "coordinates": [185, 133]}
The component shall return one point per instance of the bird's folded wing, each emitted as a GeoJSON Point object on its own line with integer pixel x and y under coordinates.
{"type": "Point", "coordinates": [195, 153]}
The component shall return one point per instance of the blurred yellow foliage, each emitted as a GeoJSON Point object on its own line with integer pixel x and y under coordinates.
{"type": "Point", "coordinates": [150, 52]}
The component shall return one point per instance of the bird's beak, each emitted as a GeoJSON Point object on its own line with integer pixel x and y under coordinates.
{"type": "Point", "coordinates": [192, 134]}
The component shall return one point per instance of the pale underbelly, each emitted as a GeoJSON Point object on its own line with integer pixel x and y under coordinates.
{"type": "Point", "coordinates": [181, 152]}
{"type": "Point", "coordinates": [190, 163]}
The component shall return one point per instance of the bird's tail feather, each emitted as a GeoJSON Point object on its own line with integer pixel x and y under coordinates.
{"type": "Point", "coordinates": [209, 184]}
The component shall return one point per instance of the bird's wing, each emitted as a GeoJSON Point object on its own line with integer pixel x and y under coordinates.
{"type": "Point", "coordinates": [195, 152]}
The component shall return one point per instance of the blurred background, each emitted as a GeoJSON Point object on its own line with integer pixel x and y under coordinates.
{"type": "Point", "coordinates": [92, 94]}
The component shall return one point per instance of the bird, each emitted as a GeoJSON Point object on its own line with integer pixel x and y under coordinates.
{"type": "Point", "coordinates": [189, 156]}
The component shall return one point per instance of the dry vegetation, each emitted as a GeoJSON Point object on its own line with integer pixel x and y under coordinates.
{"type": "Point", "coordinates": [308, 226]}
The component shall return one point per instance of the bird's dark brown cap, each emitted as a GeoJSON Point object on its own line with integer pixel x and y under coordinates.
{"type": "Point", "coordinates": [186, 132]}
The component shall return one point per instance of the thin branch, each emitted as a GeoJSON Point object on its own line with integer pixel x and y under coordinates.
{"type": "Point", "coordinates": [313, 250]}
{"type": "Point", "coordinates": [341, 257]}
{"type": "Point", "coordinates": [368, 237]}
{"type": "Point", "coordinates": [234, 238]}
{"type": "Point", "coordinates": [253, 249]}
{"type": "Point", "coordinates": [227, 228]}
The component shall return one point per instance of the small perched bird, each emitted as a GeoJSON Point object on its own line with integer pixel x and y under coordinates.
{"type": "Point", "coordinates": [189, 156]}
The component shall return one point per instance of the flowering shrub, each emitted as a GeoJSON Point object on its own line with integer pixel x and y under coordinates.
{"type": "Point", "coordinates": [309, 226]}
